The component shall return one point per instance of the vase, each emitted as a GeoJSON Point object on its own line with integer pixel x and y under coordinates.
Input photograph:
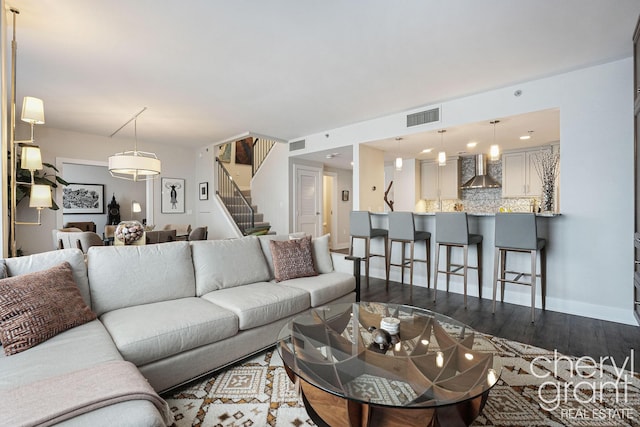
{"type": "Point", "coordinates": [546, 204]}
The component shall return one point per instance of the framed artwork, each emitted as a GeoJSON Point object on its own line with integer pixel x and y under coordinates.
{"type": "Point", "coordinates": [172, 200]}
{"type": "Point", "coordinates": [203, 194]}
{"type": "Point", "coordinates": [83, 199]}
{"type": "Point", "coordinates": [345, 195]}
{"type": "Point", "coordinates": [244, 149]}
{"type": "Point", "coordinates": [225, 153]}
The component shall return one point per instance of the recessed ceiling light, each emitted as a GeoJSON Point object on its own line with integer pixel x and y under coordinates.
{"type": "Point", "coordinates": [524, 137]}
{"type": "Point", "coordinates": [427, 150]}
{"type": "Point", "coordinates": [471, 144]}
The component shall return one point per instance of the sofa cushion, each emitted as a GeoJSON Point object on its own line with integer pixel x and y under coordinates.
{"type": "Point", "coordinates": [126, 276]}
{"type": "Point", "coordinates": [45, 260]}
{"type": "Point", "coordinates": [150, 332]}
{"type": "Point", "coordinates": [260, 303]}
{"type": "Point", "coordinates": [37, 306]}
{"type": "Point", "coordinates": [83, 346]}
{"type": "Point", "coordinates": [292, 259]}
{"type": "Point", "coordinates": [223, 264]}
{"type": "Point", "coordinates": [325, 287]}
{"type": "Point", "coordinates": [266, 249]}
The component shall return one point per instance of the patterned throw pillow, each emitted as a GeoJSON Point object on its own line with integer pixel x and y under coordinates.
{"type": "Point", "coordinates": [292, 259]}
{"type": "Point", "coordinates": [37, 306]}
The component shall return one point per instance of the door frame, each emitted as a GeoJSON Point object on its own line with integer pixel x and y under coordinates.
{"type": "Point", "coordinates": [296, 195]}
{"type": "Point", "coordinates": [333, 228]}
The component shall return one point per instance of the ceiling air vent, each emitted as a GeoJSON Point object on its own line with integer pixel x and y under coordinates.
{"type": "Point", "coordinates": [428, 116]}
{"type": "Point", "coordinates": [297, 145]}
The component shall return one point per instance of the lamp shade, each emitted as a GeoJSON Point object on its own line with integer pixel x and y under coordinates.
{"type": "Point", "coordinates": [134, 165]}
{"type": "Point", "coordinates": [494, 152]}
{"type": "Point", "coordinates": [135, 207]}
{"type": "Point", "coordinates": [31, 158]}
{"type": "Point", "coordinates": [398, 163]}
{"type": "Point", "coordinates": [32, 110]}
{"type": "Point", "coordinates": [442, 158]}
{"type": "Point", "coordinates": [40, 196]}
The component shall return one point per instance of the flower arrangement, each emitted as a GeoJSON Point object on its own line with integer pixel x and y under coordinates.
{"type": "Point", "coordinates": [547, 164]}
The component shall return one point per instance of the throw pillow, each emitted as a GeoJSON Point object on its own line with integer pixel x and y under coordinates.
{"type": "Point", "coordinates": [37, 306]}
{"type": "Point", "coordinates": [321, 255]}
{"type": "Point", "coordinates": [320, 251]}
{"type": "Point", "coordinates": [292, 259]}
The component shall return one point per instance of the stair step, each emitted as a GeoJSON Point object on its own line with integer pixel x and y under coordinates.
{"type": "Point", "coordinates": [237, 200]}
{"type": "Point", "coordinates": [257, 217]}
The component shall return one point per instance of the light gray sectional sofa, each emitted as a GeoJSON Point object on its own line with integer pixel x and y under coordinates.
{"type": "Point", "coordinates": [176, 310]}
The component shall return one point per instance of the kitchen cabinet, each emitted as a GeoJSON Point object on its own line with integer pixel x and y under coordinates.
{"type": "Point", "coordinates": [440, 182]}
{"type": "Point", "coordinates": [519, 175]}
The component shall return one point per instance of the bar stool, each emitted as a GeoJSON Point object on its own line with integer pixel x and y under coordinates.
{"type": "Point", "coordinates": [360, 228]}
{"type": "Point", "coordinates": [452, 230]}
{"type": "Point", "coordinates": [517, 232]}
{"type": "Point", "coordinates": [402, 229]}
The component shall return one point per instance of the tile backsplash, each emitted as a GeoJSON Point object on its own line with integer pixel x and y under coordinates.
{"type": "Point", "coordinates": [482, 200]}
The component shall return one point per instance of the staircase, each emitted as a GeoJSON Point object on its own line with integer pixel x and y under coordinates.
{"type": "Point", "coordinates": [238, 203]}
{"type": "Point", "coordinates": [244, 222]}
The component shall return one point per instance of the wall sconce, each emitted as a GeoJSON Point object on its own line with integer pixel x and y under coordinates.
{"type": "Point", "coordinates": [31, 158]}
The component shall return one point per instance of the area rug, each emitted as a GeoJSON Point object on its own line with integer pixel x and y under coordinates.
{"type": "Point", "coordinates": [538, 387]}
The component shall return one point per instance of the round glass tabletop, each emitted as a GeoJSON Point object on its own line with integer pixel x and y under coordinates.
{"type": "Point", "coordinates": [389, 355]}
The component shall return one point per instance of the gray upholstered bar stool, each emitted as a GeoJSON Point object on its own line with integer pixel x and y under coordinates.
{"type": "Point", "coordinates": [402, 229]}
{"type": "Point", "coordinates": [452, 231]}
{"type": "Point", "coordinates": [517, 232]}
{"type": "Point", "coordinates": [360, 228]}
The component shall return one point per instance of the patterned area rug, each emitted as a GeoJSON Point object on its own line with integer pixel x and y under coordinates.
{"type": "Point", "coordinates": [537, 388]}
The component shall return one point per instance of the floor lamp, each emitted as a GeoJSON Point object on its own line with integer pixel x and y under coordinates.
{"type": "Point", "coordinates": [31, 158]}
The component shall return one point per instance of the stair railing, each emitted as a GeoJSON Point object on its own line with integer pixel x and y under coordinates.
{"type": "Point", "coordinates": [261, 147]}
{"type": "Point", "coordinates": [236, 203]}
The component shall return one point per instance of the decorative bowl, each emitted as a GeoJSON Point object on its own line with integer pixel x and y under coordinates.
{"type": "Point", "coordinates": [129, 232]}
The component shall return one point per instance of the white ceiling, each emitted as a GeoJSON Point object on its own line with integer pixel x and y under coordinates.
{"type": "Point", "coordinates": [208, 70]}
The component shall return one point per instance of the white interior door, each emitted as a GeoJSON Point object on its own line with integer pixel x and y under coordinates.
{"type": "Point", "coordinates": [308, 200]}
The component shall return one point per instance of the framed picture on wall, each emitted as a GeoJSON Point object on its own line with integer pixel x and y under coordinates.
{"type": "Point", "coordinates": [203, 193]}
{"type": "Point", "coordinates": [172, 196]}
{"type": "Point", "coordinates": [83, 199]}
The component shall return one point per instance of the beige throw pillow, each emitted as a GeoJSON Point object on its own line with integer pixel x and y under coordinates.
{"type": "Point", "coordinates": [37, 306]}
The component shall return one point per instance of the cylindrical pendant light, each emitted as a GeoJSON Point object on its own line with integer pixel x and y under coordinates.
{"type": "Point", "coordinates": [442, 155]}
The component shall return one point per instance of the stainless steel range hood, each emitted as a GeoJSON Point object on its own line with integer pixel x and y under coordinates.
{"type": "Point", "coordinates": [481, 179]}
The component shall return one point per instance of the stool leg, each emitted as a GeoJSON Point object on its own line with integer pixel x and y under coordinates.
{"type": "Point", "coordinates": [411, 252]}
{"type": "Point", "coordinates": [386, 257]}
{"type": "Point", "coordinates": [465, 271]}
{"type": "Point", "coordinates": [534, 256]}
{"type": "Point", "coordinates": [351, 246]}
{"type": "Point", "coordinates": [435, 272]}
{"type": "Point", "coordinates": [402, 244]}
{"type": "Point", "coordinates": [428, 258]}
{"type": "Point", "coordinates": [496, 262]}
{"type": "Point", "coordinates": [367, 244]}
{"type": "Point", "coordinates": [448, 264]}
{"type": "Point", "coordinates": [389, 261]}
{"type": "Point", "coordinates": [543, 275]}
{"type": "Point", "coordinates": [503, 274]}
{"type": "Point", "coordinates": [479, 254]}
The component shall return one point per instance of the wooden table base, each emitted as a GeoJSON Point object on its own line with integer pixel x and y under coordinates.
{"type": "Point", "coordinates": [326, 409]}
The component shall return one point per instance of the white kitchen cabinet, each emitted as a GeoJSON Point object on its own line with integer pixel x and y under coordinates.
{"type": "Point", "coordinates": [519, 175]}
{"type": "Point", "coordinates": [441, 182]}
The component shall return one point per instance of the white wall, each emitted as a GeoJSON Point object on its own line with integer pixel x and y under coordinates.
{"type": "Point", "coordinates": [371, 174]}
{"type": "Point", "coordinates": [177, 162]}
{"type": "Point", "coordinates": [343, 208]}
{"type": "Point", "coordinates": [590, 259]}
{"type": "Point", "coordinates": [270, 189]}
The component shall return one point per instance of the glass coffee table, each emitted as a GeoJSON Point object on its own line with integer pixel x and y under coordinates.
{"type": "Point", "coordinates": [351, 373]}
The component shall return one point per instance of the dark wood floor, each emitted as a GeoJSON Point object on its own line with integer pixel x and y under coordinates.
{"type": "Point", "coordinates": [570, 335]}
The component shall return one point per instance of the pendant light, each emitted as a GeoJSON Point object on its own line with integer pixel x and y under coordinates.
{"type": "Point", "coordinates": [398, 162]}
{"type": "Point", "coordinates": [494, 150]}
{"type": "Point", "coordinates": [134, 165]}
{"type": "Point", "coordinates": [442, 155]}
